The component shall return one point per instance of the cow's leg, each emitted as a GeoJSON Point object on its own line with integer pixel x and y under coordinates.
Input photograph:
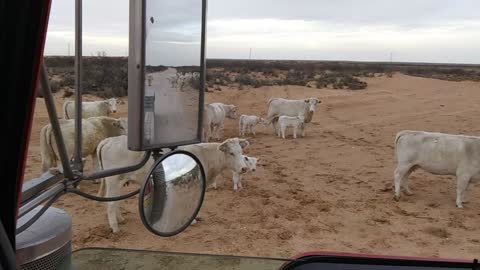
{"type": "Point", "coordinates": [96, 166]}
{"type": "Point", "coordinates": [401, 173]}
{"type": "Point", "coordinates": [240, 182]}
{"type": "Point", "coordinates": [274, 123]}
{"type": "Point", "coordinates": [253, 131]}
{"type": "Point", "coordinates": [221, 131]}
{"type": "Point", "coordinates": [235, 178]}
{"type": "Point", "coordinates": [462, 183]}
{"type": "Point", "coordinates": [406, 187]}
{"type": "Point", "coordinates": [282, 129]}
{"type": "Point", "coordinates": [113, 186]}
{"type": "Point", "coordinates": [295, 132]}
{"type": "Point", "coordinates": [120, 217]}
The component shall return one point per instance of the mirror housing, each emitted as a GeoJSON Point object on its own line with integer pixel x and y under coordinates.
{"type": "Point", "coordinates": [166, 73]}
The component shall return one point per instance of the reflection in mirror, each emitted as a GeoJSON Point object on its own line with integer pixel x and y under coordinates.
{"type": "Point", "coordinates": [172, 75]}
{"type": "Point", "coordinates": [172, 194]}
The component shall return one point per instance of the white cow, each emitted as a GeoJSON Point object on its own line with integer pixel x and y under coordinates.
{"type": "Point", "coordinates": [94, 130]}
{"type": "Point", "coordinates": [113, 152]}
{"type": "Point", "coordinates": [218, 157]}
{"type": "Point", "coordinates": [251, 166]}
{"type": "Point", "coordinates": [287, 107]}
{"type": "Point", "coordinates": [248, 122]}
{"type": "Point", "coordinates": [90, 108]}
{"type": "Point", "coordinates": [437, 153]}
{"type": "Point", "coordinates": [297, 122]}
{"type": "Point", "coordinates": [214, 118]}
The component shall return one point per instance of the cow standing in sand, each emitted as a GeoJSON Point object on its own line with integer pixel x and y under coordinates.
{"type": "Point", "coordinates": [90, 108]}
{"type": "Point", "coordinates": [280, 106]}
{"type": "Point", "coordinates": [297, 122]}
{"type": "Point", "coordinates": [437, 153]}
{"type": "Point", "coordinates": [94, 130]}
{"type": "Point", "coordinates": [113, 153]}
{"type": "Point", "coordinates": [248, 122]}
{"type": "Point", "coordinates": [218, 157]}
{"type": "Point", "coordinates": [251, 167]}
{"type": "Point", "coordinates": [214, 118]}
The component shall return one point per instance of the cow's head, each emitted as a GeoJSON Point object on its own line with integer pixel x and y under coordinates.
{"type": "Point", "coordinates": [251, 163]}
{"type": "Point", "coordinates": [112, 103]}
{"type": "Point", "coordinates": [232, 149]}
{"type": "Point", "coordinates": [311, 103]}
{"type": "Point", "coordinates": [260, 120]}
{"type": "Point", "coordinates": [231, 111]}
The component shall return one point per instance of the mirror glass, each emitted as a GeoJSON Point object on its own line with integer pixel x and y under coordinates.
{"type": "Point", "coordinates": [172, 194]}
{"type": "Point", "coordinates": [173, 32]}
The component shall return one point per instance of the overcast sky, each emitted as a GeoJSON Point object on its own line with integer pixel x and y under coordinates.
{"type": "Point", "coordinates": [363, 30]}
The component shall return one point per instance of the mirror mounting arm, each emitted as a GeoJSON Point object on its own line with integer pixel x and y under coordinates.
{"type": "Point", "coordinates": [157, 154]}
{"type": "Point", "coordinates": [111, 172]}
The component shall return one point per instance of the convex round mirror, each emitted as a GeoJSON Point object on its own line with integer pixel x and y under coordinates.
{"type": "Point", "coordinates": [172, 193]}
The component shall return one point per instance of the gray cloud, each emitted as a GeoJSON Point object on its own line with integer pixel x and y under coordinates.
{"type": "Point", "coordinates": [415, 30]}
{"type": "Point", "coordinates": [407, 12]}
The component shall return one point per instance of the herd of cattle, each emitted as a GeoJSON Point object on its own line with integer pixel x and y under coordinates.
{"type": "Point", "coordinates": [105, 140]}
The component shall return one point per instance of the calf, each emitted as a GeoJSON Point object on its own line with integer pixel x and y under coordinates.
{"type": "Point", "coordinates": [251, 166]}
{"type": "Point", "coordinates": [437, 153]}
{"type": "Point", "coordinates": [248, 122]}
{"type": "Point", "coordinates": [289, 121]}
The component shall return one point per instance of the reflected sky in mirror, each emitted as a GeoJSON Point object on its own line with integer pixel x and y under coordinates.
{"type": "Point", "coordinates": [173, 31]}
{"type": "Point", "coordinates": [177, 165]}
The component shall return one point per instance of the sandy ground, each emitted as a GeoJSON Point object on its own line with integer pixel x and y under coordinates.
{"type": "Point", "coordinates": [329, 191]}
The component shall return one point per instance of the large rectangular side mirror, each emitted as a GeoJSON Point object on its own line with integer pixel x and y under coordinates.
{"type": "Point", "coordinates": [166, 73]}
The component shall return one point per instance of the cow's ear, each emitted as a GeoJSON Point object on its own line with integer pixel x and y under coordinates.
{"type": "Point", "coordinates": [243, 143]}
{"type": "Point", "coordinates": [223, 147]}
{"type": "Point", "coordinates": [306, 100]}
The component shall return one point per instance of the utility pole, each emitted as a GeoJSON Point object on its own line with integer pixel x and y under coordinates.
{"type": "Point", "coordinates": [391, 57]}
{"type": "Point", "coordinates": [250, 54]}
{"type": "Point", "coordinates": [69, 49]}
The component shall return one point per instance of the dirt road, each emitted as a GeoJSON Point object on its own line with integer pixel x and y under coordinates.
{"type": "Point", "coordinates": [328, 191]}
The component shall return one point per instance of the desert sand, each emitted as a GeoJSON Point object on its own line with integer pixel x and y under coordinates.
{"type": "Point", "coordinates": [329, 191]}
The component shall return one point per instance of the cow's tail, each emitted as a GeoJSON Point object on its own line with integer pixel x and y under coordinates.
{"type": "Point", "coordinates": [65, 111]}
{"type": "Point", "coordinates": [397, 138]}
{"type": "Point", "coordinates": [268, 120]}
{"type": "Point", "coordinates": [46, 149]}
{"type": "Point", "coordinates": [101, 189]}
